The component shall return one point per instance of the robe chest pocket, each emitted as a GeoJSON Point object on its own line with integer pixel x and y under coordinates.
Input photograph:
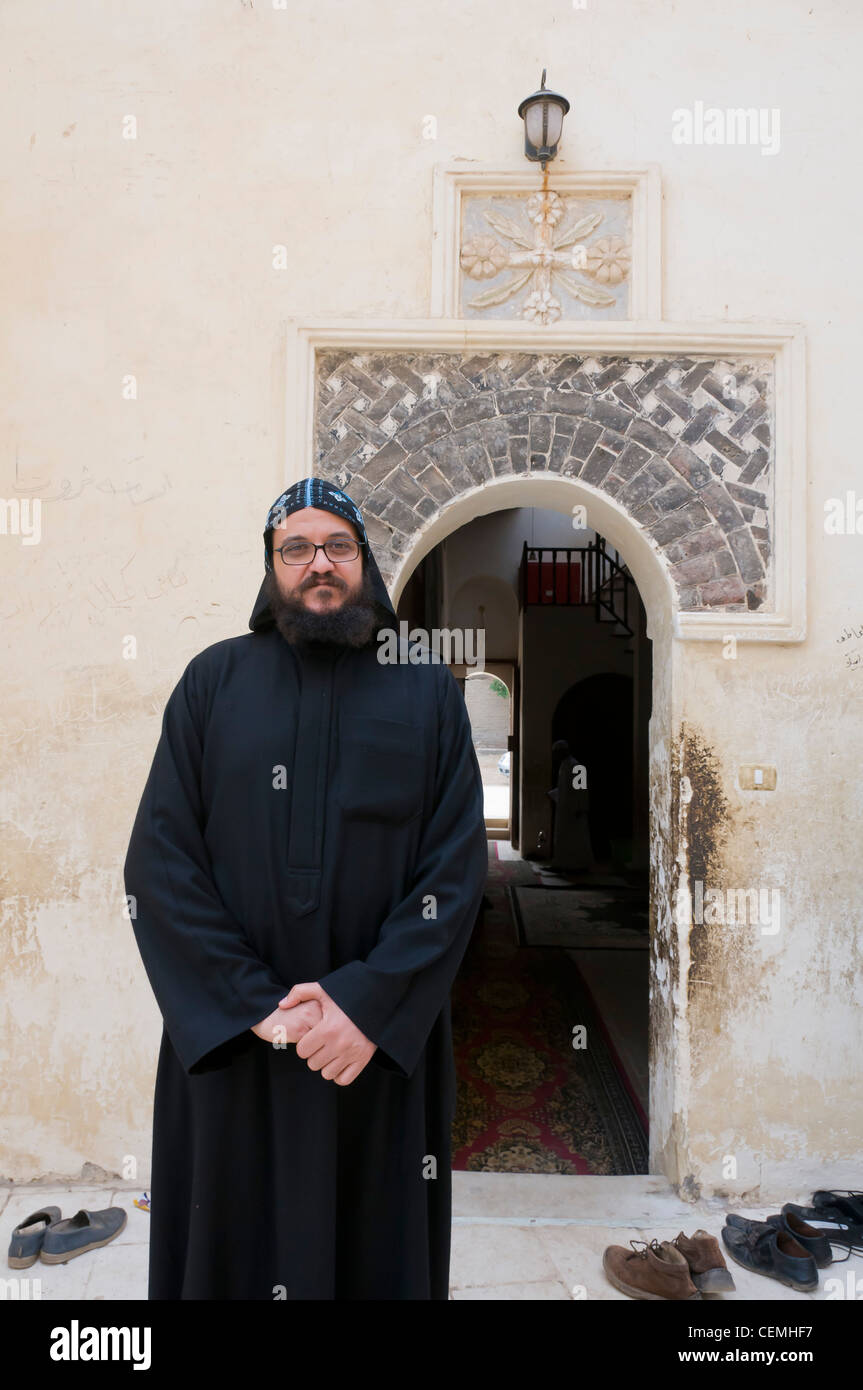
{"type": "Point", "coordinates": [380, 770]}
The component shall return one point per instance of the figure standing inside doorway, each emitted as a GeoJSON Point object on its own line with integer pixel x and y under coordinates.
{"type": "Point", "coordinates": [572, 848]}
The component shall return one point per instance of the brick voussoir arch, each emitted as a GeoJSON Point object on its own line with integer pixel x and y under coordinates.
{"type": "Point", "coordinates": [679, 443]}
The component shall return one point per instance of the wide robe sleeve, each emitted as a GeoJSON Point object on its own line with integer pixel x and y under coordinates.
{"type": "Point", "coordinates": [395, 995]}
{"type": "Point", "coordinates": [210, 985]}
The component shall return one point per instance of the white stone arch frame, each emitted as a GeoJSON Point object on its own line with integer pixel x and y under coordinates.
{"type": "Point", "coordinates": [557, 494]}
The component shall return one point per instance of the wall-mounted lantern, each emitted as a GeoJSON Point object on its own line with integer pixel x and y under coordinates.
{"type": "Point", "coordinates": [542, 113]}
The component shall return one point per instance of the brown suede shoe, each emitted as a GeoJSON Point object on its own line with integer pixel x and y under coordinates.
{"type": "Point", "coordinates": [659, 1271]}
{"type": "Point", "coordinates": [707, 1267]}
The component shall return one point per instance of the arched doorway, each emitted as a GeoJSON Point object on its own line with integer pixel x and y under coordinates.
{"type": "Point", "coordinates": [563, 495]}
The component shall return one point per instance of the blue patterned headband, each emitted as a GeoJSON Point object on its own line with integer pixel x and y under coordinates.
{"type": "Point", "coordinates": [310, 492]}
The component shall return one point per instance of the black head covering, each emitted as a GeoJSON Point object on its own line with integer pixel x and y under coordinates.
{"type": "Point", "coordinates": [317, 492]}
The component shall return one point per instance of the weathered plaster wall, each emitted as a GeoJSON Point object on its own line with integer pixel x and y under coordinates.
{"type": "Point", "coordinates": [668, 1040]}
{"type": "Point", "coordinates": [774, 1004]}
{"type": "Point", "coordinates": [153, 258]}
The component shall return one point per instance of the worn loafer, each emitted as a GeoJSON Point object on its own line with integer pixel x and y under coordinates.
{"type": "Point", "coordinates": [767, 1250]}
{"type": "Point", "coordinates": [84, 1231]}
{"type": "Point", "coordinates": [814, 1242]}
{"type": "Point", "coordinates": [27, 1238]}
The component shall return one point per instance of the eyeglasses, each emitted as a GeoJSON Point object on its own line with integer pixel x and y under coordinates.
{"type": "Point", "coordinates": [339, 550]}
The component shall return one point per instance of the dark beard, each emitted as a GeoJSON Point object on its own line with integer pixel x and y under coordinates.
{"type": "Point", "coordinates": [353, 624]}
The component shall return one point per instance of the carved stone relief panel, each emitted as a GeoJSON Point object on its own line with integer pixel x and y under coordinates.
{"type": "Point", "coordinates": [579, 245]}
{"type": "Point", "coordinates": [542, 256]}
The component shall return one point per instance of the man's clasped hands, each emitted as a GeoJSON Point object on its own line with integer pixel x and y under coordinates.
{"type": "Point", "coordinates": [324, 1035]}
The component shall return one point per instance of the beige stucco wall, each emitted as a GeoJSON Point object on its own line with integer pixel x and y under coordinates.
{"type": "Point", "coordinates": [152, 258]}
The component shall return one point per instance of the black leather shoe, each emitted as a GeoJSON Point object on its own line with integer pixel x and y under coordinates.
{"type": "Point", "coordinates": [27, 1238]}
{"type": "Point", "coordinates": [84, 1231]}
{"type": "Point", "coordinates": [839, 1216]}
{"type": "Point", "coordinates": [773, 1253]}
{"type": "Point", "coordinates": [815, 1243]}
{"type": "Point", "coordinates": [849, 1204]}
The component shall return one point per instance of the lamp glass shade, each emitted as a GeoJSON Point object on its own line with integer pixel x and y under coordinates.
{"type": "Point", "coordinates": [543, 123]}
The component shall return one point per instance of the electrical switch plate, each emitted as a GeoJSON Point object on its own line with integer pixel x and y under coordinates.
{"type": "Point", "coordinates": [757, 777]}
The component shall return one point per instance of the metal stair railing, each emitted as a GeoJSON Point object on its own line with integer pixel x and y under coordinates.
{"type": "Point", "coordinates": [603, 584]}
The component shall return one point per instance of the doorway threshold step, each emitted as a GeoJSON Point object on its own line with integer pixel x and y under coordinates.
{"type": "Point", "coordinates": [530, 1199]}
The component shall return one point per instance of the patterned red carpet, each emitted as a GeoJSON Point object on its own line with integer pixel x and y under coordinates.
{"type": "Point", "coordinates": [528, 1101]}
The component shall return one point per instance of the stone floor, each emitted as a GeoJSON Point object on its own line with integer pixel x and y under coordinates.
{"type": "Point", "coordinates": [515, 1236]}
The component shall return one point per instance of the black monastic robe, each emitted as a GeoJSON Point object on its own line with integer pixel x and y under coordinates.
{"type": "Point", "coordinates": [361, 866]}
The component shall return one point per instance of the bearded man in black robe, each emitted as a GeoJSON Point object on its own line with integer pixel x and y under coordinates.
{"type": "Point", "coordinates": [304, 874]}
